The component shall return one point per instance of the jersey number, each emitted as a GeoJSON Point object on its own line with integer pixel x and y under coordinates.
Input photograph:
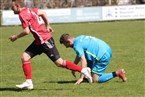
{"type": "Point", "coordinates": [37, 17]}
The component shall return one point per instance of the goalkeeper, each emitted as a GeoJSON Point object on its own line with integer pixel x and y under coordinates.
{"type": "Point", "coordinates": [94, 53]}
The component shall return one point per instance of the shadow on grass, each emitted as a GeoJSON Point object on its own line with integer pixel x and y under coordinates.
{"type": "Point", "coordinates": [26, 90]}
{"type": "Point", "coordinates": [20, 90]}
{"type": "Point", "coordinates": [65, 82]}
{"type": "Point", "coordinates": [61, 82]}
{"type": "Point", "coordinates": [10, 89]}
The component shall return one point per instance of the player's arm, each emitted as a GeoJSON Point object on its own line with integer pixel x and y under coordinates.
{"type": "Point", "coordinates": [80, 55]}
{"type": "Point", "coordinates": [83, 61]}
{"type": "Point", "coordinates": [26, 31]}
{"type": "Point", "coordinates": [83, 64]}
{"type": "Point", "coordinates": [45, 19]}
{"type": "Point", "coordinates": [77, 59]}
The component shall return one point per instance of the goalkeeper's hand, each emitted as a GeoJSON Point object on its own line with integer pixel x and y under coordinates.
{"type": "Point", "coordinates": [79, 81]}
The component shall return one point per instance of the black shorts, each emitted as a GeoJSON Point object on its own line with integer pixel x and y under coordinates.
{"type": "Point", "coordinates": [48, 48]}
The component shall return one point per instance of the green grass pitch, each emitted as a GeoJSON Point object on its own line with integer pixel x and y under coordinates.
{"type": "Point", "coordinates": [125, 37]}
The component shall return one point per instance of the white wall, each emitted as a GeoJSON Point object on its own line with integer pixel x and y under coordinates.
{"type": "Point", "coordinates": [86, 14]}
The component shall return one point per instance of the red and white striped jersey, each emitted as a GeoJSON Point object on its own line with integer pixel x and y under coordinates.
{"type": "Point", "coordinates": [30, 18]}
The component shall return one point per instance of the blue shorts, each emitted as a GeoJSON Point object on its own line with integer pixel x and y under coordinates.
{"type": "Point", "coordinates": [100, 66]}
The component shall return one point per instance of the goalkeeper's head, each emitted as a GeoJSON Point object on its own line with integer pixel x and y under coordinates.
{"type": "Point", "coordinates": [67, 40]}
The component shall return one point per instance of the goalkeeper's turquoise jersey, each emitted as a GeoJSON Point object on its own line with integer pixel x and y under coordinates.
{"type": "Point", "coordinates": [91, 47]}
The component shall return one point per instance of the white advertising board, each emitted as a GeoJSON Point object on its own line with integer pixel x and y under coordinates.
{"type": "Point", "coordinates": [9, 18]}
{"type": "Point", "coordinates": [123, 12]}
{"type": "Point", "coordinates": [86, 14]}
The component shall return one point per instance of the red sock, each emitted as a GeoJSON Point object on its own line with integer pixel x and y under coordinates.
{"type": "Point", "coordinates": [27, 69]}
{"type": "Point", "coordinates": [72, 66]}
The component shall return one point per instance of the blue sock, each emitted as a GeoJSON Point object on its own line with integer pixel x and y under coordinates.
{"type": "Point", "coordinates": [105, 77]}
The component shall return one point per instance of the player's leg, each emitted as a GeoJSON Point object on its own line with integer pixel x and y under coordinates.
{"type": "Point", "coordinates": [108, 76]}
{"type": "Point", "coordinates": [104, 77]}
{"type": "Point", "coordinates": [72, 66]}
{"type": "Point", "coordinates": [30, 52]}
{"type": "Point", "coordinates": [121, 74]}
{"type": "Point", "coordinates": [99, 68]}
{"type": "Point", "coordinates": [99, 75]}
{"type": "Point", "coordinates": [51, 51]}
{"type": "Point", "coordinates": [26, 65]}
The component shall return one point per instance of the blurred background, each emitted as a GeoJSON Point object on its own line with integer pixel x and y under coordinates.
{"type": "Point", "coordinates": [47, 4]}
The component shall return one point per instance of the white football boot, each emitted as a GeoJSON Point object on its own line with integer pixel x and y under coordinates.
{"type": "Point", "coordinates": [26, 85]}
{"type": "Point", "coordinates": [87, 73]}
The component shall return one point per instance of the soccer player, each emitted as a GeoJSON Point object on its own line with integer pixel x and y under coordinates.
{"type": "Point", "coordinates": [43, 42]}
{"type": "Point", "coordinates": [94, 53]}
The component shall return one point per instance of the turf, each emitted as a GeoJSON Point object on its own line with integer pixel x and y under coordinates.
{"type": "Point", "coordinates": [125, 37]}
